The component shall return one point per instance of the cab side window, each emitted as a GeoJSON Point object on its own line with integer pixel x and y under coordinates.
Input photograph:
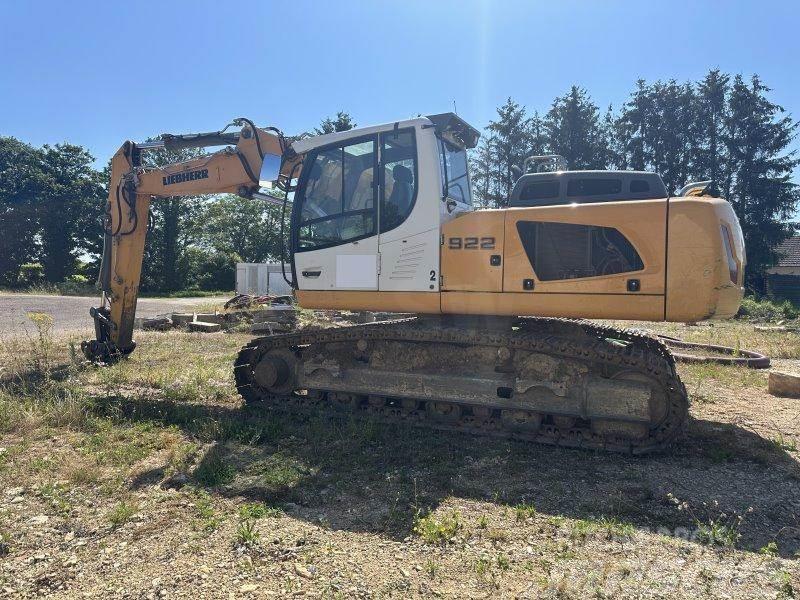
{"type": "Point", "coordinates": [338, 204]}
{"type": "Point", "coordinates": [453, 163]}
{"type": "Point", "coordinates": [399, 169]}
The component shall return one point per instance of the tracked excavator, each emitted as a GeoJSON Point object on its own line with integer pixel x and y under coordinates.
{"type": "Point", "coordinates": [501, 341]}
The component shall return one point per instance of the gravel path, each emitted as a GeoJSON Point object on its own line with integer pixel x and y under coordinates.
{"type": "Point", "coordinates": [71, 313]}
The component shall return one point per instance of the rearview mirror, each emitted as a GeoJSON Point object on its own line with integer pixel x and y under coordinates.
{"type": "Point", "coordinates": [270, 170]}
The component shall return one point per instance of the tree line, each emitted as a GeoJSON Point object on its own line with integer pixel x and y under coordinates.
{"type": "Point", "coordinates": [724, 128]}
{"type": "Point", "coordinates": [721, 128]}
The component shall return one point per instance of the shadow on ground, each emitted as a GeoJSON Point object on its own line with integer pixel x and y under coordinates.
{"type": "Point", "coordinates": [359, 475]}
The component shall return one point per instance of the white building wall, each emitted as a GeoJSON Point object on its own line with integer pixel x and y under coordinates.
{"type": "Point", "coordinates": [262, 278]}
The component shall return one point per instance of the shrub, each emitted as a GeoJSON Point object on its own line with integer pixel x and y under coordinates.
{"type": "Point", "coordinates": [31, 274]}
{"type": "Point", "coordinates": [764, 309]}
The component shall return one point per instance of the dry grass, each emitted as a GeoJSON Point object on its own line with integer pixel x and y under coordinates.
{"type": "Point", "coordinates": [150, 475]}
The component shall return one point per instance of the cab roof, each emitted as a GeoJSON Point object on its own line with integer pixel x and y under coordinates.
{"type": "Point", "coordinates": [452, 127]}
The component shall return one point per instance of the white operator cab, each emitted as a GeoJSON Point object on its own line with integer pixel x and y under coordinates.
{"type": "Point", "coordinates": [353, 230]}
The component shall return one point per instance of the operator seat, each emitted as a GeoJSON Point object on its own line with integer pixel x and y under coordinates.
{"type": "Point", "coordinates": [402, 191]}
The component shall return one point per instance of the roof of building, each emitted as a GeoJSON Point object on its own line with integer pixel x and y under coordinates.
{"type": "Point", "coordinates": [789, 252]}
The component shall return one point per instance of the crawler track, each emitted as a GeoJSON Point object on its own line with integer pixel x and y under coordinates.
{"type": "Point", "coordinates": [605, 351]}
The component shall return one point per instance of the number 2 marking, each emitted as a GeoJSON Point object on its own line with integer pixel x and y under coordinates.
{"type": "Point", "coordinates": [433, 275]}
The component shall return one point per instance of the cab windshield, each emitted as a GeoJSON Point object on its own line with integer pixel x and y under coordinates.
{"type": "Point", "coordinates": [453, 162]}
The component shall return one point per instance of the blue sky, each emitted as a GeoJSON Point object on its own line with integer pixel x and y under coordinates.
{"type": "Point", "coordinates": [97, 73]}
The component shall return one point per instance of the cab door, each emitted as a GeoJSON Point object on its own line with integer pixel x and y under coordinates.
{"type": "Point", "coordinates": [335, 234]}
{"type": "Point", "coordinates": [408, 215]}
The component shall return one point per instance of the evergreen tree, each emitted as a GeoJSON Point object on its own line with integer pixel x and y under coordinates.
{"type": "Point", "coordinates": [710, 157]}
{"type": "Point", "coordinates": [631, 128]}
{"type": "Point", "coordinates": [510, 143]}
{"type": "Point", "coordinates": [481, 168]}
{"type": "Point", "coordinates": [670, 134]}
{"type": "Point", "coordinates": [341, 122]}
{"type": "Point", "coordinates": [574, 131]}
{"type": "Point", "coordinates": [757, 136]}
{"type": "Point", "coordinates": [615, 151]}
{"type": "Point", "coordinates": [538, 135]}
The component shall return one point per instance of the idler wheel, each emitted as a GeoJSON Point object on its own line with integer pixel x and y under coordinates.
{"type": "Point", "coordinates": [275, 372]}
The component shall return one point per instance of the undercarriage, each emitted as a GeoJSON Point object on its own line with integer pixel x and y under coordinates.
{"type": "Point", "coordinates": [552, 381]}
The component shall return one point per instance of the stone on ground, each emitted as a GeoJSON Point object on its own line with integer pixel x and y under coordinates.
{"type": "Point", "coordinates": [182, 319]}
{"type": "Point", "coordinates": [784, 384]}
{"type": "Point", "coordinates": [157, 324]}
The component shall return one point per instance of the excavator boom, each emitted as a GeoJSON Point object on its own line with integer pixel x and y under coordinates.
{"type": "Point", "coordinates": [238, 168]}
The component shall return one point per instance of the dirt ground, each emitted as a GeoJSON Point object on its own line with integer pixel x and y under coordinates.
{"type": "Point", "coordinates": [149, 479]}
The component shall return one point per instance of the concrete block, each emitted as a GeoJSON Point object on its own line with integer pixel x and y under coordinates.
{"type": "Point", "coordinates": [210, 318]}
{"type": "Point", "coordinates": [157, 324]}
{"type": "Point", "coordinates": [277, 316]}
{"type": "Point", "coordinates": [270, 328]}
{"type": "Point", "coordinates": [784, 384]}
{"type": "Point", "coordinates": [182, 319]}
{"type": "Point", "coordinates": [204, 327]}
{"type": "Point", "coordinates": [285, 314]}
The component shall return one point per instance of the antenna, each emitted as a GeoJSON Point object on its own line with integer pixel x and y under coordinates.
{"type": "Point", "coordinates": [455, 110]}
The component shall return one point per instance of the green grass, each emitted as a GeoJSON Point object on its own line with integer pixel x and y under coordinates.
{"type": "Point", "coordinates": [715, 532]}
{"type": "Point", "coordinates": [482, 567]}
{"type": "Point", "coordinates": [247, 535]}
{"type": "Point", "coordinates": [503, 563]}
{"type": "Point", "coordinates": [204, 506]}
{"type": "Point", "coordinates": [57, 496]}
{"type": "Point", "coordinates": [431, 568]}
{"type": "Point", "coordinates": [280, 471]}
{"type": "Point", "coordinates": [214, 470]}
{"type": "Point", "coordinates": [700, 379]}
{"type": "Point", "coordinates": [438, 530]}
{"type": "Point", "coordinates": [770, 549]}
{"type": "Point", "coordinates": [121, 513]}
{"type": "Point", "coordinates": [785, 587]}
{"type": "Point", "coordinates": [258, 510]}
{"type": "Point", "coordinates": [782, 443]}
{"type": "Point", "coordinates": [609, 527]}
{"type": "Point", "coordinates": [524, 511]}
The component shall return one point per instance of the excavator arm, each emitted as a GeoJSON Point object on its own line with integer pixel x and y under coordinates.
{"type": "Point", "coordinates": [249, 155]}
